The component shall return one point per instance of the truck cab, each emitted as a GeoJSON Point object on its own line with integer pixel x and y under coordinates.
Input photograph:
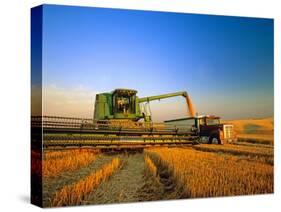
{"type": "Point", "coordinates": [207, 127]}
{"type": "Point", "coordinates": [212, 131]}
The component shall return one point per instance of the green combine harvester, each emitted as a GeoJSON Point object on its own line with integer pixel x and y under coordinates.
{"type": "Point", "coordinates": [121, 118]}
{"type": "Point", "coordinates": [124, 106]}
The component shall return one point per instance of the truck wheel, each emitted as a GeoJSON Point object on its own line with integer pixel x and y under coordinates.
{"type": "Point", "coordinates": [214, 140]}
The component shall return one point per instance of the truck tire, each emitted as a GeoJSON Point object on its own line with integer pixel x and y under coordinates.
{"type": "Point", "coordinates": [214, 139]}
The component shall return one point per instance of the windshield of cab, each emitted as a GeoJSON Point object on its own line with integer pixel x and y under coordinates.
{"type": "Point", "coordinates": [213, 121]}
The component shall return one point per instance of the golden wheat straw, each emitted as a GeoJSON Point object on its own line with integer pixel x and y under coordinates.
{"type": "Point", "coordinates": [74, 194]}
{"type": "Point", "coordinates": [58, 161]}
{"type": "Point", "coordinates": [205, 174]}
{"type": "Point", "coordinates": [150, 165]}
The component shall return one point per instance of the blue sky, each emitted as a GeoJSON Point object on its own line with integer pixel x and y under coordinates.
{"type": "Point", "coordinates": [224, 63]}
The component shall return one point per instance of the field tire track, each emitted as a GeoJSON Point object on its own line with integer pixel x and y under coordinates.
{"type": "Point", "coordinates": [163, 187]}
{"type": "Point", "coordinates": [122, 186]}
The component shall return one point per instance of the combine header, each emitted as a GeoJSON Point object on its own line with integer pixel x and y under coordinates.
{"type": "Point", "coordinates": [121, 118]}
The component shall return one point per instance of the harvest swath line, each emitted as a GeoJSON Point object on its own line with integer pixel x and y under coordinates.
{"type": "Point", "coordinates": [75, 193]}
{"type": "Point", "coordinates": [59, 161]}
{"type": "Point", "coordinates": [237, 150]}
{"type": "Point", "coordinates": [206, 174]}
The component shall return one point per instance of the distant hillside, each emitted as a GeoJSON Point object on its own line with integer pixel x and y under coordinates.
{"type": "Point", "coordinates": [253, 126]}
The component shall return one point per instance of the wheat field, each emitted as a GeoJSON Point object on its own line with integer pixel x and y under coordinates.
{"type": "Point", "coordinates": [55, 162]}
{"type": "Point", "coordinates": [206, 174]}
{"type": "Point", "coordinates": [74, 194]}
{"type": "Point", "coordinates": [91, 176]}
{"type": "Point", "coordinates": [150, 165]}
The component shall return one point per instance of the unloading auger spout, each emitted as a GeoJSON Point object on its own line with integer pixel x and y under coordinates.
{"type": "Point", "coordinates": [190, 107]}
